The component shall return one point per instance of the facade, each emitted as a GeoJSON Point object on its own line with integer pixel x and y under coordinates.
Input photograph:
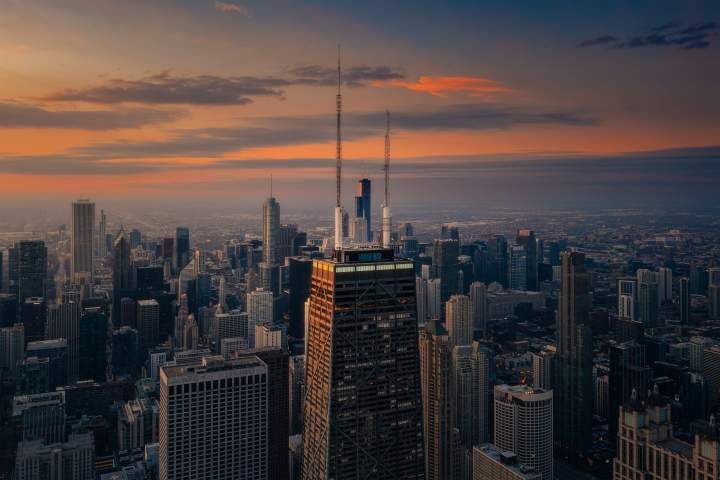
{"type": "Point", "coordinates": [41, 416]}
{"type": "Point", "coordinates": [664, 277]}
{"type": "Point", "coordinates": [300, 274]}
{"type": "Point", "coordinates": [684, 301]}
{"type": "Point", "coordinates": [573, 392]}
{"type": "Point", "coordinates": [93, 344]}
{"type": "Point", "coordinates": [182, 247]}
{"type": "Point", "coordinates": [362, 414]}
{"type": "Point", "coordinates": [628, 373]}
{"type": "Point", "coordinates": [63, 321]}
{"type": "Point", "coordinates": [478, 300]}
{"type": "Point", "coordinates": [526, 238]}
{"type": "Point", "coordinates": [56, 351]}
{"type": "Point", "coordinates": [83, 233]}
{"type": "Point", "coordinates": [445, 266]}
{"type": "Point", "coordinates": [524, 426]}
{"type": "Point", "coordinates": [260, 311]}
{"type": "Point", "coordinates": [517, 267]}
{"type": "Point", "coordinates": [214, 420]}
{"type": "Point", "coordinates": [31, 269]}
{"type": "Point", "coordinates": [148, 323]}
{"type": "Point", "coordinates": [648, 304]}
{"type": "Point", "coordinates": [12, 346]}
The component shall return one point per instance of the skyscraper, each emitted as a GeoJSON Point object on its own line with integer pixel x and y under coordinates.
{"type": "Point", "coordinates": [436, 378]}
{"type": "Point", "coordinates": [648, 304]}
{"type": "Point", "coordinates": [93, 344]}
{"type": "Point", "coordinates": [517, 267]}
{"type": "Point", "coordinates": [459, 320]}
{"type": "Point", "coordinates": [543, 366]}
{"type": "Point", "coordinates": [182, 247]}
{"type": "Point", "coordinates": [526, 238]}
{"type": "Point", "coordinates": [445, 266]}
{"type": "Point", "coordinates": [201, 440]}
{"type": "Point", "coordinates": [573, 382]}
{"type": "Point", "coordinates": [300, 273]}
{"type": "Point", "coordinates": [63, 321]}
{"type": "Point", "coordinates": [684, 301]}
{"type": "Point", "coordinates": [148, 324]}
{"type": "Point", "coordinates": [102, 235]}
{"type": "Point", "coordinates": [628, 373]}
{"type": "Point", "coordinates": [362, 409]}
{"type": "Point", "coordinates": [121, 273]}
{"type": "Point", "coordinates": [478, 300]}
{"type": "Point", "coordinates": [33, 316]}
{"type": "Point", "coordinates": [271, 231]}
{"type": "Point", "coordinates": [56, 351]}
{"type": "Point", "coordinates": [83, 233]}
{"type": "Point", "coordinates": [32, 269]}
{"type": "Point", "coordinates": [260, 310]}
{"type": "Point", "coordinates": [524, 425]}
{"type": "Point", "coordinates": [12, 346]}
{"type": "Point", "coordinates": [627, 297]}
{"type": "Point", "coordinates": [363, 206]}
{"type": "Point", "coordinates": [664, 276]}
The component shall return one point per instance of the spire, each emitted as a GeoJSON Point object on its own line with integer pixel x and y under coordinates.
{"type": "Point", "coordinates": [386, 201]}
{"type": "Point", "coordinates": [338, 147]}
{"type": "Point", "coordinates": [338, 163]}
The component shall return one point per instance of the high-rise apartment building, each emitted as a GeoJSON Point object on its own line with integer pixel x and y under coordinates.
{"type": "Point", "coordinates": [437, 387]}
{"type": "Point", "coordinates": [524, 426]}
{"type": "Point", "coordinates": [573, 383]}
{"type": "Point", "coordinates": [362, 414]}
{"type": "Point", "coordinates": [459, 320]}
{"type": "Point", "coordinates": [214, 420]}
{"type": "Point", "coordinates": [83, 233]}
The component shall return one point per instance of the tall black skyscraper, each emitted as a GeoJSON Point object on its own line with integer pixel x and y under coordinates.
{"type": "Point", "coordinates": [445, 266]}
{"type": "Point", "coordinates": [121, 272]}
{"type": "Point", "coordinates": [32, 269]}
{"type": "Point", "coordinates": [93, 344]}
{"type": "Point", "coordinates": [497, 252]}
{"type": "Point", "coordinates": [182, 247]}
{"type": "Point", "coordinates": [363, 205]}
{"type": "Point", "coordinates": [363, 409]}
{"type": "Point", "coordinates": [573, 381]}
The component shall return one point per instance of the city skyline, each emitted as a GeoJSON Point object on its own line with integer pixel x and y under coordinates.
{"type": "Point", "coordinates": [523, 99]}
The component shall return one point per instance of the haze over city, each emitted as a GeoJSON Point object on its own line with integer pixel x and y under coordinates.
{"type": "Point", "coordinates": [315, 240]}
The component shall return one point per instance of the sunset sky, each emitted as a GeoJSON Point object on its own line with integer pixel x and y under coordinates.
{"type": "Point", "coordinates": [203, 100]}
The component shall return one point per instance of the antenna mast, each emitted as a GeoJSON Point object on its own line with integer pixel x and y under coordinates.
{"type": "Point", "coordinates": [386, 214]}
{"type": "Point", "coordinates": [338, 148]}
{"type": "Point", "coordinates": [338, 164]}
{"type": "Point", "coordinates": [387, 157]}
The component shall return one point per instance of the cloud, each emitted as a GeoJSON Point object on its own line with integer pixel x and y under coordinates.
{"type": "Point", "coordinates": [442, 86]}
{"type": "Point", "coordinates": [226, 7]}
{"type": "Point", "coordinates": [665, 26]}
{"type": "Point", "coordinates": [22, 115]}
{"type": "Point", "coordinates": [603, 39]}
{"type": "Point", "coordinates": [165, 88]}
{"type": "Point", "coordinates": [209, 144]}
{"type": "Point", "coordinates": [354, 76]}
{"type": "Point", "coordinates": [670, 34]}
{"type": "Point", "coordinates": [210, 90]}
